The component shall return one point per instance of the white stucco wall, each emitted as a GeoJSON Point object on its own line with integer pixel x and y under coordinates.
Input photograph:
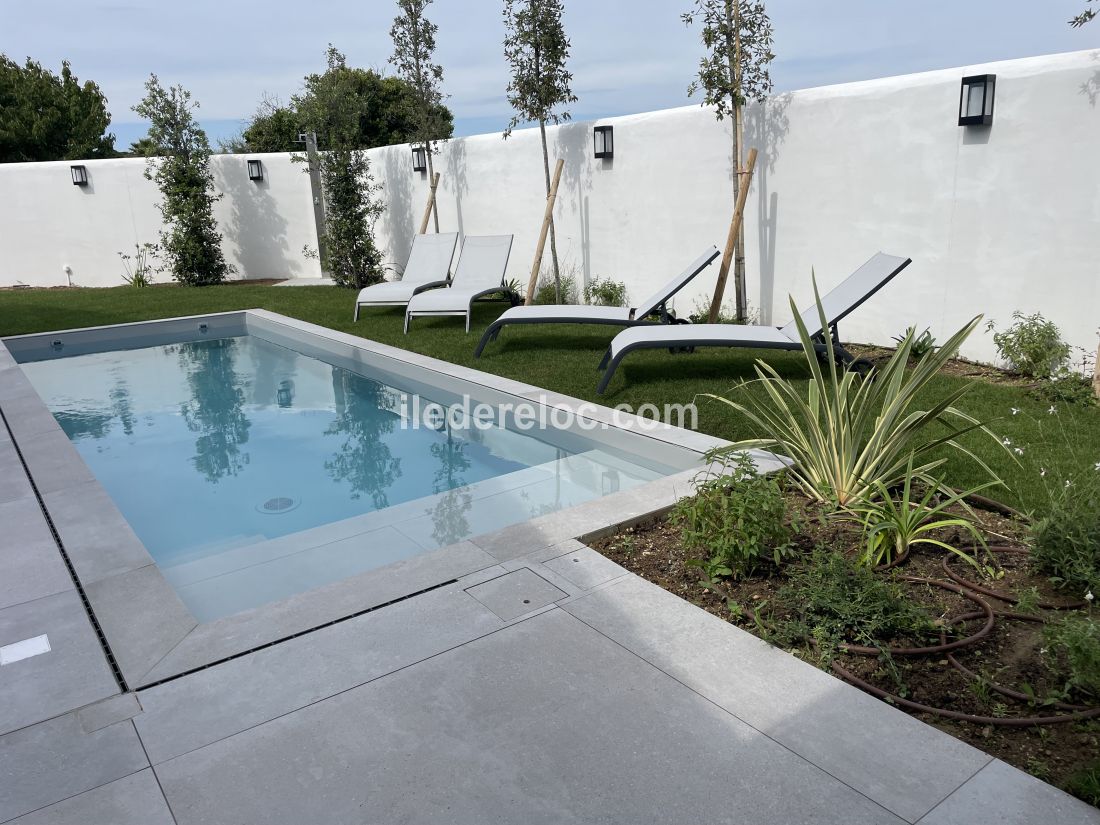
{"type": "Point", "coordinates": [47, 223]}
{"type": "Point", "coordinates": [995, 219]}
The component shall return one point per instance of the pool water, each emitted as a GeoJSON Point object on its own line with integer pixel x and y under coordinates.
{"type": "Point", "coordinates": [252, 472]}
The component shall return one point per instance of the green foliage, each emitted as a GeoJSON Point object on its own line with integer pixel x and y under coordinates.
{"type": "Point", "coordinates": [560, 290]}
{"type": "Point", "coordinates": [726, 84]}
{"type": "Point", "coordinates": [738, 519]}
{"type": "Point", "coordinates": [1032, 345]}
{"type": "Point", "coordinates": [413, 37]}
{"type": "Point", "coordinates": [605, 292]}
{"type": "Point", "coordinates": [1081, 19]}
{"type": "Point", "coordinates": [1085, 783]}
{"type": "Point", "coordinates": [848, 433]}
{"type": "Point", "coordinates": [190, 240]}
{"type": "Point", "coordinates": [831, 600]}
{"type": "Point", "coordinates": [274, 127]}
{"type": "Point", "coordinates": [727, 314]}
{"type": "Point", "coordinates": [352, 257]}
{"type": "Point", "coordinates": [1067, 387]}
{"type": "Point", "coordinates": [922, 345]}
{"type": "Point", "coordinates": [1074, 642]}
{"type": "Point", "coordinates": [891, 527]}
{"type": "Point", "coordinates": [139, 268]}
{"type": "Point", "coordinates": [46, 117]}
{"type": "Point", "coordinates": [536, 49]}
{"type": "Point", "coordinates": [1066, 539]}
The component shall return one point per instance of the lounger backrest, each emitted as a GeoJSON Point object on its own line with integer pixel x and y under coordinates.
{"type": "Point", "coordinates": [666, 292]}
{"type": "Point", "coordinates": [850, 293]}
{"type": "Point", "coordinates": [482, 261]}
{"type": "Point", "coordinates": [430, 259]}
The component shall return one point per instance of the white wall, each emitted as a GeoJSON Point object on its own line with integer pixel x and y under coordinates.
{"type": "Point", "coordinates": [995, 219]}
{"type": "Point", "coordinates": [47, 223]}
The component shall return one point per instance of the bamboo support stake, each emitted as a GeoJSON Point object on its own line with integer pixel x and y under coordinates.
{"type": "Point", "coordinates": [547, 217]}
{"type": "Point", "coordinates": [731, 239]}
{"type": "Point", "coordinates": [431, 204]}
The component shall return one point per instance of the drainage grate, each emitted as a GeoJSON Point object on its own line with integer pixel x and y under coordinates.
{"type": "Point", "coordinates": [278, 504]}
{"type": "Point", "coordinates": [115, 669]}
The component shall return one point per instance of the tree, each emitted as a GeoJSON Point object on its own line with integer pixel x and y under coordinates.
{"type": "Point", "coordinates": [536, 48]}
{"type": "Point", "coordinates": [382, 110]}
{"type": "Point", "coordinates": [331, 106]}
{"type": "Point", "coordinates": [190, 239]}
{"type": "Point", "coordinates": [46, 117]}
{"type": "Point", "coordinates": [737, 36]}
{"type": "Point", "coordinates": [413, 38]}
{"type": "Point", "coordinates": [1085, 16]}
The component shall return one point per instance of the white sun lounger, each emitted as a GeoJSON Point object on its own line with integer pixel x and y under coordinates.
{"type": "Point", "coordinates": [428, 267]}
{"type": "Point", "coordinates": [656, 304]}
{"type": "Point", "coordinates": [837, 304]}
{"type": "Point", "coordinates": [480, 271]}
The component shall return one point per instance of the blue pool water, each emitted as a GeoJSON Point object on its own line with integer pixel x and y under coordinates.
{"type": "Point", "coordinates": [251, 471]}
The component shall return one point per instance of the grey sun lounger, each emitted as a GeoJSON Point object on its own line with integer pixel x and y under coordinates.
{"type": "Point", "coordinates": [429, 266]}
{"type": "Point", "coordinates": [837, 303]}
{"type": "Point", "coordinates": [480, 271]}
{"type": "Point", "coordinates": [656, 304]}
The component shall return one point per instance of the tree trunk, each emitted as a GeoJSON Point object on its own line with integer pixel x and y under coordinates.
{"type": "Point", "coordinates": [431, 177]}
{"type": "Point", "coordinates": [553, 239]}
{"type": "Point", "coordinates": [1096, 374]}
{"type": "Point", "coordinates": [733, 20]}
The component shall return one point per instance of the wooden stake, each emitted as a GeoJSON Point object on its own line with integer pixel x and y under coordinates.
{"type": "Point", "coordinates": [731, 239]}
{"type": "Point", "coordinates": [547, 217]}
{"type": "Point", "coordinates": [431, 204]}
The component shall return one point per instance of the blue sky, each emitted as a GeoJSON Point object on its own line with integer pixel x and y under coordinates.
{"type": "Point", "coordinates": [628, 55]}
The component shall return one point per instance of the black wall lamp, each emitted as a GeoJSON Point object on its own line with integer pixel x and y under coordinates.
{"type": "Point", "coordinates": [80, 175]}
{"type": "Point", "coordinates": [603, 141]}
{"type": "Point", "coordinates": [420, 159]}
{"type": "Point", "coordinates": [976, 100]}
{"type": "Point", "coordinates": [255, 170]}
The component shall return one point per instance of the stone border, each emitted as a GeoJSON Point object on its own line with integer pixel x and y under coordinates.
{"type": "Point", "coordinates": [152, 635]}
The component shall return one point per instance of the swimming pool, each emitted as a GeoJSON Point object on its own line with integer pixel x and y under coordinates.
{"type": "Point", "coordinates": [252, 471]}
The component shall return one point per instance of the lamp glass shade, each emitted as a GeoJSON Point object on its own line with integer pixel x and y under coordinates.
{"type": "Point", "coordinates": [80, 175]}
{"type": "Point", "coordinates": [255, 170]}
{"type": "Point", "coordinates": [603, 141]}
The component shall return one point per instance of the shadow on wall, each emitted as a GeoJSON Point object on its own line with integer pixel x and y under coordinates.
{"type": "Point", "coordinates": [455, 173]}
{"type": "Point", "coordinates": [766, 126]}
{"type": "Point", "coordinates": [400, 222]}
{"type": "Point", "coordinates": [256, 226]}
{"type": "Point", "coordinates": [571, 145]}
{"type": "Point", "coordinates": [1091, 87]}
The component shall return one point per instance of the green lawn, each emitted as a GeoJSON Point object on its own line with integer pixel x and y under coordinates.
{"type": "Point", "coordinates": [564, 358]}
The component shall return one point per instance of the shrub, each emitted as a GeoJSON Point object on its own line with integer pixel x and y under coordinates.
{"type": "Point", "coordinates": [1032, 345]}
{"type": "Point", "coordinates": [849, 434]}
{"type": "Point", "coordinates": [139, 268]}
{"type": "Point", "coordinates": [727, 314]}
{"type": "Point", "coordinates": [1066, 540]}
{"type": "Point", "coordinates": [922, 345]}
{"type": "Point", "coordinates": [831, 600]}
{"type": "Point", "coordinates": [1074, 641]}
{"type": "Point", "coordinates": [1066, 387]}
{"type": "Point", "coordinates": [605, 292]}
{"type": "Point", "coordinates": [738, 519]}
{"type": "Point", "coordinates": [545, 292]}
{"type": "Point", "coordinates": [1085, 783]}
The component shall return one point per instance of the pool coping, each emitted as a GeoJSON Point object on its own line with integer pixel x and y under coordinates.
{"type": "Point", "coordinates": [154, 637]}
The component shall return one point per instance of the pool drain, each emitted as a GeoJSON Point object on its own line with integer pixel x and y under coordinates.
{"type": "Point", "coordinates": [278, 504]}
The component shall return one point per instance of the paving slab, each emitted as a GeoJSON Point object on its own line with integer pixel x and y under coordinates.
{"type": "Point", "coordinates": [99, 541]}
{"type": "Point", "coordinates": [545, 721]}
{"type": "Point", "coordinates": [585, 567]}
{"type": "Point", "coordinates": [133, 800]}
{"type": "Point", "coordinates": [835, 726]}
{"type": "Point", "coordinates": [14, 483]}
{"type": "Point", "coordinates": [108, 712]}
{"type": "Point", "coordinates": [55, 760]}
{"type": "Point", "coordinates": [30, 563]}
{"type": "Point", "coordinates": [1002, 795]}
{"type": "Point", "coordinates": [74, 672]}
{"type": "Point", "coordinates": [515, 594]}
{"type": "Point", "coordinates": [203, 707]}
{"type": "Point", "coordinates": [55, 464]}
{"type": "Point", "coordinates": [28, 416]}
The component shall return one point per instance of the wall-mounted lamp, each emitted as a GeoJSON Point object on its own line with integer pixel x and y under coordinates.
{"type": "Point", "coordinates": [420, 159]}
{"type": "Point", "coordinates": [255, 170]}
{"type": "Point", "coordinates": [603, 141]}
{"type": "Point", "coordinates": [976, 100]}
{"type": "Point", "coordinates": [284, 396]}
{"type": "Point", "coordinates": [80, 175]}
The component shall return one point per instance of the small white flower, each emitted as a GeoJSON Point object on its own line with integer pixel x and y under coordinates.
{"type": "Point", "coordinates": [1015, 410]}
{"type": "Point", "coordinates": [1017, 450]}
{"type": "Point", "coordinates": [1069, 483]}
{"type": "Point", "coordinates": [1042, 651]}
{"type": "Point", "coordinates": [1096, 466]}
{"type": "Point", "coordinates": [1052, 409]}
{"type": "Point", "coordinates": [1042, 472]}
{"type": "Point", "coordinates": [1088, 596]}
{"type": "Point", "coordinates": [1006, 442]}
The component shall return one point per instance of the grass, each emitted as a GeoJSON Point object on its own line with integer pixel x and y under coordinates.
{"type": "Point", "coordinates": [564, 358]}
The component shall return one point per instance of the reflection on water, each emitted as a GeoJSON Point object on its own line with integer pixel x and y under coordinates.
{"type": "Point", "coordinates": [448, 515]}
{"type": "Point", "coordinates": [216, 408]}
{"type": "Point", "coordinates": [364, 414]}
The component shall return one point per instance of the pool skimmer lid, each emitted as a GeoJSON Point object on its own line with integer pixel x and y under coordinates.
{"type": "Point", "coordinates": [278, 504]}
